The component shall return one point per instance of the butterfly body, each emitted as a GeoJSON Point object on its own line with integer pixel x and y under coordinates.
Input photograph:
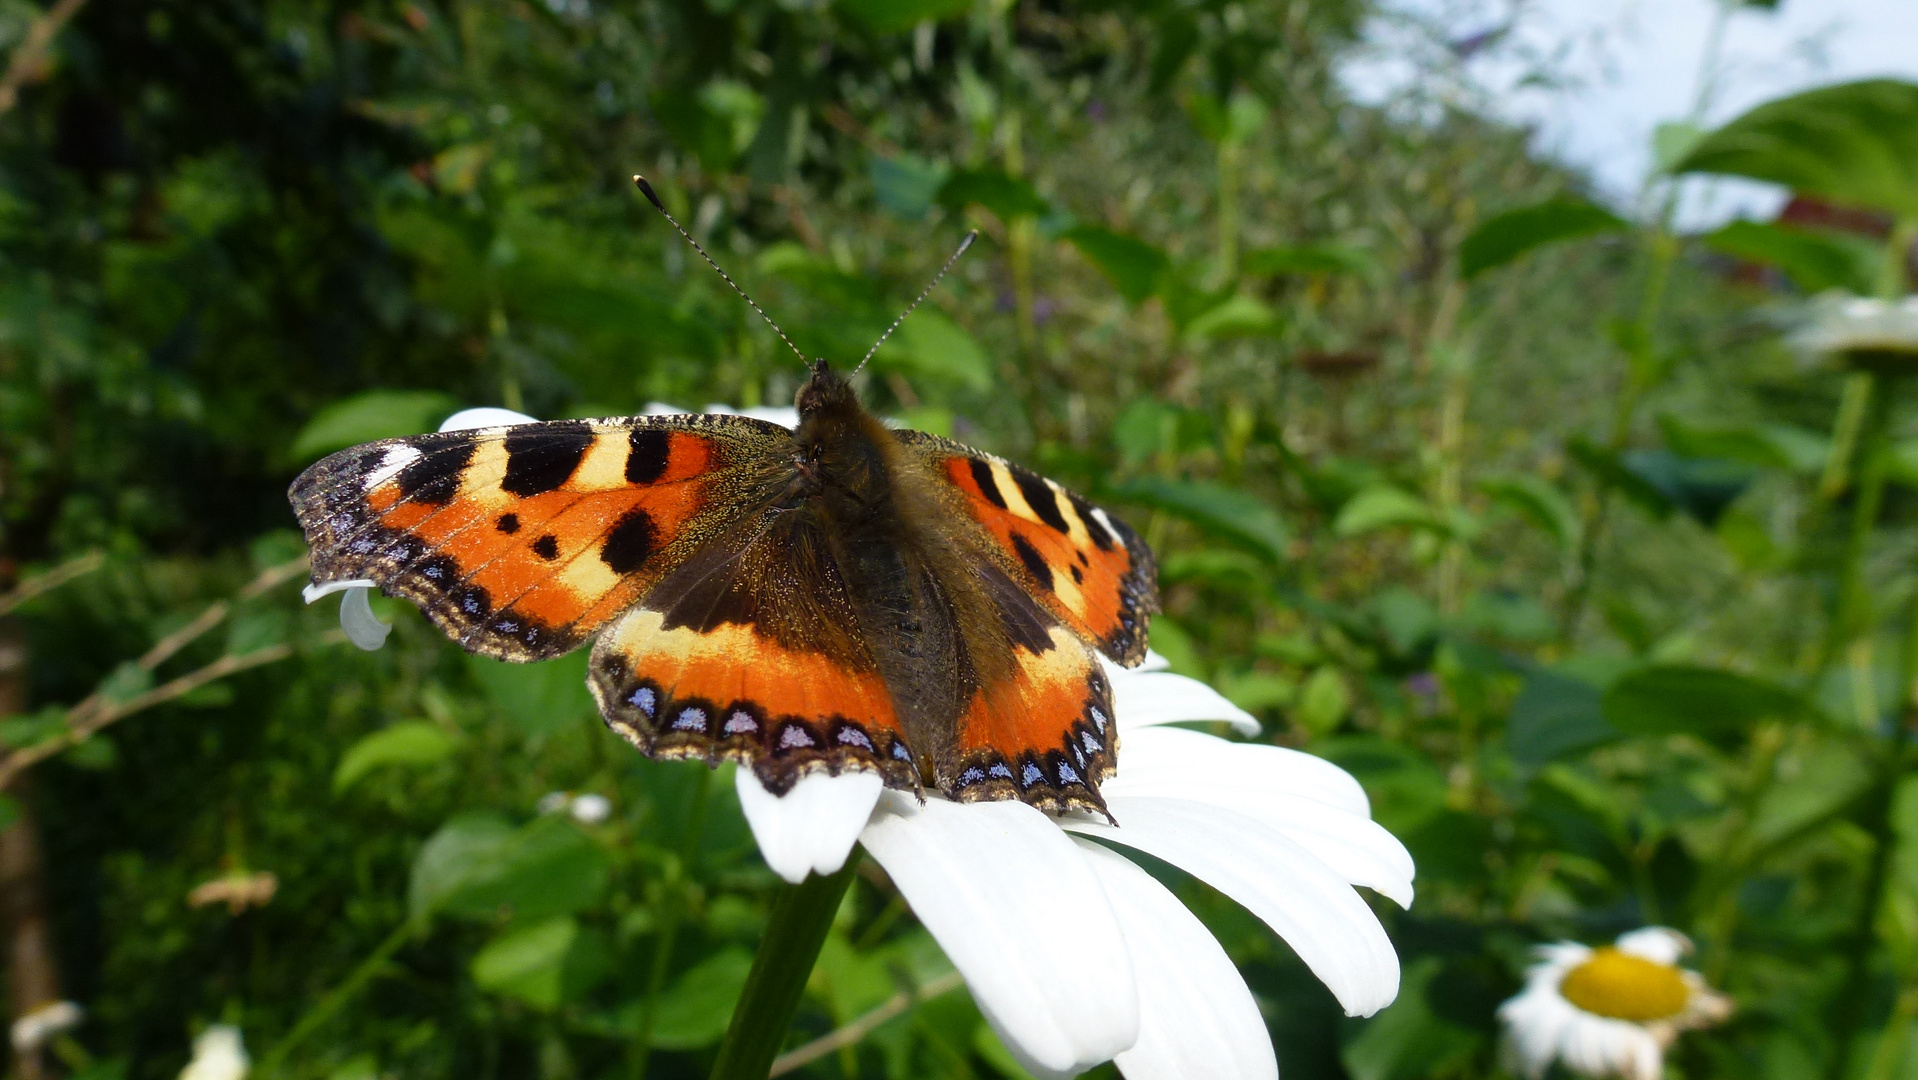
{"type": "Point", "coordinates": [841, 596]}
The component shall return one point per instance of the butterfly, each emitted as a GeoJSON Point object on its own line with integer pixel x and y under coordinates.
{"type": "Point", "coordinates": [839, 596]}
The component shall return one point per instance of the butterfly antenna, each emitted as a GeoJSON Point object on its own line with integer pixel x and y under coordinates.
{"type": "Point", "coordinates": [963, 245]}
{"type": "Point", "coordinates": [646, 189]}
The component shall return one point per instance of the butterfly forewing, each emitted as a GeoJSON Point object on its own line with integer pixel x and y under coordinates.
{"type": "Point", "coordinates": [521, 541]}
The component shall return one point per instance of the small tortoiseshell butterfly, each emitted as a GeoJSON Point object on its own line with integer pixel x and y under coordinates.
{"type": "Point", "coordinates": [840, 596]}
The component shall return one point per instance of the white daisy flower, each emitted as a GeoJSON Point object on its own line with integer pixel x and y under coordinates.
{"type": "Point", "coordinates": [1076, 955]}
{"type": "Point", "coordinates": [1866, 331]}
{"type": "Point", "coordinates": [218, 1054]}
{"type": "Point", "coordinates": [1609, 1011]}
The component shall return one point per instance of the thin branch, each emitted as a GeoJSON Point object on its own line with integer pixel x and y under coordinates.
{"type": "Point", "coordinates": [26, 65]}
{"type": "Point", "coordinates": [51, 580]}
{"type": "Point", "coordinates": [852, 1033]}
{"type": "Point", "coordinates": [94, 712]}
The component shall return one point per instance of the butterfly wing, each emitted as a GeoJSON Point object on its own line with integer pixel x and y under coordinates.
{"type": "Point", "coordinates": [1086, 567]}
{"type": "Point", "coordinates": [1038, 725]}
{"type": "Point", "coordinates": [750, 650]}
{"type": "Point", "coordinates": [519, 542]}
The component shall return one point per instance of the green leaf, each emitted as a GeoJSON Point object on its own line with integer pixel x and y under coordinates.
{"type": "Point", "coordinates": [695, 1010]}
{"type": "Point", "coordinates": [932, 345]}
{"type": "Point", "coordinates": [1852, 143]}
{"type": "Point", "coordinates": [1325, 258]}
{"type": "Point", "coordinates": [544, 964]}
{"type": "Point", "coordinates": [1813, 785]}
{"type": "Point", "coordinates": [893, 16]}
{"type": "Point", "coordinates": [1767, 446]}
{"type": "Point", "coordinates": [1671, 141]}
{"type": "Point", "coordinates": [1511, 234]}
{"type": "Point", "coordinates": [1235, 316]}
{"type": "Point", "coordinates": [906, 184]}
{"type": "Point", "coordinates": [537, 698]}
{"type": "Point", "coordinates": [415, 743]}
{"type": "Point", "coordinates": [1384, 507]}
{"type": "Point", "coordinates": [1607, 468]}
{"type": "Point", "coordinates": [1701, 487]}
{"type": "Point", "coordinates": [1225, 512]}
{"type": "Point", "coordinates": [1134, 266]}
{"type": "Point", "coordinates": [94, 753]}
{"type": "Point", "coordinates": [1008, 197]}
{"type": "Point", "coordinates": [1324, 702]}
{"type": "Point", "coordinates": [20, 732]}
{"type": "Point", "coordinates": [376, 414]}
{"type": "Point", "coordinates": [1171, 641]}
{"type": "Point", "coordinates": [1408, 1040]}
{"type": "Point", "coordinates": [1815, 261]}
{"type": "Point", "coordinates": [1555, 715]}
{"type": "Point", "coordinates": [1670, 699]}
{"type": "Point", "coordinates": [1539, 501]}
{"type": "Point", "coordinates": [125, 682]}
{"type": "Point", "coordinates": [477, 865]}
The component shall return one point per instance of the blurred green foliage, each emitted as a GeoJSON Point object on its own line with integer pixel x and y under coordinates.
{"type": "Point", "coordinates": [1521, 513]}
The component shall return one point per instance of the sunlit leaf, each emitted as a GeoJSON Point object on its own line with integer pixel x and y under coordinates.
{"type": "Point", "coordinates": [1326, 258]}
{"type": "Point", "coordinates": [1504, 238]}
{"type": "Point", "coordinates": [1671, 699]}
{"type": "Point", "coordinates": [1134, 266]}
{"type": "Point", "coordinates": [537, 698]}
{"type": "Point", "coordinates": [930, 344]}
{"type": "Point", "coordinates": [1225, 512]}
{"type": "Point", "coordinates": [1815, 261]}
{"type": "Point", "coordinates": [376, 414]}
{"type": "Point", "coordinates": [1538, 501]}
{"type": "Point", "coordinates": [1235, 316]}
{"type": "Point", "coordinates": [1853, 143]}
{"type": "Point", "coordinates": [1671, 141]}
{"type": "Point", "coordinates": [1817, 783]}
{"type": "Point", "coordinates": [1384, 507]}
{"type": "Point", "coordinates": [695, 1010]}
{"type": "Point", "coordinates": [542, 964]}
{"type": "Point", "coordinates": [413, 743]}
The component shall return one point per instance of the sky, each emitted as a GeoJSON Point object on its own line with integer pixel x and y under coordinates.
{"type": "Point", "coordinates": [1593, 78]}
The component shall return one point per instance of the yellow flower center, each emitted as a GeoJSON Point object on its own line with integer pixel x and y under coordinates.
{"type": "Point", "coordinates": [1625, 987]}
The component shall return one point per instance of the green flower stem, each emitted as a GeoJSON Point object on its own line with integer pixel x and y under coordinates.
{"type": "Point", "coordinates": [1850, 613]}
{"type": "Point", "coordinates": [801, 916]}
{"type": "Point", "coordinates": [335, 999]}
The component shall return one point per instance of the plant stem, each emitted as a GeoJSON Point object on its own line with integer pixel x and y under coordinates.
{"type": "Point", "coordinates": [336, 998]}
{"type": "Point", "coordinates": [1850, 612]}
{"type": "Point", "coordinates": [801, 916]}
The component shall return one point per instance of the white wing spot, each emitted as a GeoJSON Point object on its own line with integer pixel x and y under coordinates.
{"type": "Point", "coordinates": [395, 459]}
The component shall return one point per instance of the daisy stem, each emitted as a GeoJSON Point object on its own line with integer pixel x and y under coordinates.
{"type": "Point", "coordinates": [801, 916]}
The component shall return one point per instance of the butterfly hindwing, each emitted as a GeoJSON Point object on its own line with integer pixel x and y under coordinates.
{"type": "Point", "coordinates": [1084, 565]}
{"type": "Point", "coordinates": [750, 651]}
{"type": "Point", "coordinates": [520, 541]}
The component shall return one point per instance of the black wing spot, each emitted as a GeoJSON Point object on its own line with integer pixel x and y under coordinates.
{"type": "Point", "coordinates": [646, 461]}
{"type": "Point", "coordinates": [507, 523]}
{"type": "Point", "coordinates": [1043, 500]}
{"type": "Point", "coordinates": [539, 458]}
{"type": "Point", "coordinates": [474, 602]}
{"type": "Point", "coordinates": [1036, 564]}
{"type": "Point", "coordinates": [632, 541]}
{"type": "Point", "coordinates": [1078, 576]}
{"type": "Point", "coordinates": [547, 547]}
{"type": "Point", "coordinates": [434, 477]}
{"type": "Point", "coordinates": [988, 483]}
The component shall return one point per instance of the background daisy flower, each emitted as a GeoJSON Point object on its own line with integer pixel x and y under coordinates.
{"type": "Point", "coordinates": [1609, 1011]}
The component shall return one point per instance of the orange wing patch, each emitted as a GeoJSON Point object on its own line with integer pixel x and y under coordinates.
{"type": "Point", "coordinates": [1045, 736]}
{"type": "Point", "coordinates": [519, 542]}
{"type": "Point", "coordinates": [1082, 564]}
{"type": "Point", "coordinates": [731, 693]}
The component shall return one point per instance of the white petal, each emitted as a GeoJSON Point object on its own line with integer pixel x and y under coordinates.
{"type": "Point", "coordinates": [466, 419]}
{"type": "Point", "coordinates": [1659, 944]}
{"type": "Point", "coordinates": [1197, 1018]}
{"type": "Point", "coordinates": [1601, 1046]}
{"type": "Point", "coordinates": [784, 415]}
{"type": "Point", "coordinates": [328, 588]}
{"type": "Point", "coordinates": [813, 827]}
{"type": "Point", "coordinates": [1153, 754]}
{"type": "Point", "coordinates": [661, 408]}
{"type": "Point", "coordinates": [1312, 908]}
{"type": "Point", "coordinates": [1536, 1020]}
{"type": "Point", "coordinates": [1352, 844]}
{"type": "Point", "coordinates": [1145, 698]}
{"type": "Point", "coordinates": [359, 623]}
{"type": "Point", "coordinates": [1023, 917]}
